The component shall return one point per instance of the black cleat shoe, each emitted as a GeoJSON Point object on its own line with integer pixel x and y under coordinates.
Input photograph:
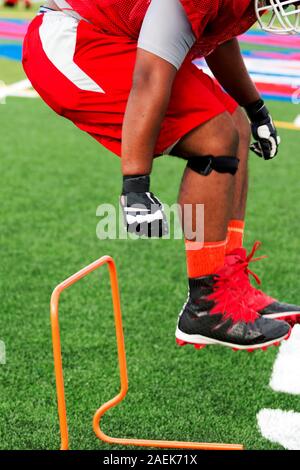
{"type": "Point", "coordinates": [281, 311]}
{"type": "Point", "coordinates": [215, 313]}
{"type": "Point", "coordinates": [263, 304]}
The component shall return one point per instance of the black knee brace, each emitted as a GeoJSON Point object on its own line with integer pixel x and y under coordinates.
{"type": "Point", "coordinates": [205, 165]}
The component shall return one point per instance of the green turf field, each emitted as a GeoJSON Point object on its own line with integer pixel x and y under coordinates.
{"type": "Point", "coordinates": [52, 179]}
{"type": "Point", "coordinates": [11, 71]}
{"type": "Point", "coordinates": [18, 11]}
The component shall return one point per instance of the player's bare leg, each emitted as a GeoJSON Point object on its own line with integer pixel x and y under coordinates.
{"type": "Point", "coordinates": [241, 178]}
{"type": "Point", "coordinates": [216, 137]}
{"type": "Point", "coordinates": [213, 135]}
{"type": "Point", "coordinates": [216, 312]}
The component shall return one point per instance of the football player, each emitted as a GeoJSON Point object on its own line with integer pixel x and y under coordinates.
{"type": "Point", "coordinates": [123, 71]}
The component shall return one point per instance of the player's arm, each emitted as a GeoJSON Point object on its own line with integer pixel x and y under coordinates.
{"type": "Point", "coordinates": [146, 108]}
{"type": "Point", "coordinates": [228, 66]}
{"type": "Point", "coordinates": [165, 39]}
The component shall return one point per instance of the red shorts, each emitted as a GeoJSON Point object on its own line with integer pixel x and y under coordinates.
{"type": "Point", "coordinates": [86, 76]}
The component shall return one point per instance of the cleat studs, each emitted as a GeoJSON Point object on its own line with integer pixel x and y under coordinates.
{"type": "Point", "coordinates": [264, 348]}
{"type": "Point", "coordinates": [180, 342]}
{"type": "Point", "coordinates": [235, 349]}
{"type": "Point", "coordinates": [288, 335]}
{"type": "Point", "coordinates": [291, 320]}
{"type": "Point", "coordinates": [199, 346]}
{"type": "Point", "coordinates": [277, 343]}
{"type": "Point", "coordinates": [250, 350]}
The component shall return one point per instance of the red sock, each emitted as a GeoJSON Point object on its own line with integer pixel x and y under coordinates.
{"type": "Point", "coordinates": [204, 258]}
{"type": "Point", "coordinates": [235, 235]}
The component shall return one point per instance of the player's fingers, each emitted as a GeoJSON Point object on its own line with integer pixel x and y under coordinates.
{"type": "Point", "coordinates": [266, 147]}
{"type": "Point", "coordinates": [156, 229]}
{"type": "Point", "coordinates": [256, 148]}
{"type": "Point", "coordinates": [274, 147]}
{"type": "Point", "coordinates": [269, 147]}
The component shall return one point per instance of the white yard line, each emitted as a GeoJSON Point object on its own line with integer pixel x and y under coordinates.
{"type": "Point", "coordinates": [278, 426]}
{"type": "Point", "coordinates": [22, 89]}
{"type": "Point", "coordinates": [260, 76]}
{"type": "Point", "coordinates": [286, 370]}
{"type": "Point", "coordinates": [297, 121]}
{"type": "Point", "coordinates": [276, 72]}
{"type": "Point", "coordinates": [274, 66]}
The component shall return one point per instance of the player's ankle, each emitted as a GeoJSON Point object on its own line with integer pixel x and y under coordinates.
{"type": "Point", "coordinates": [235, 235]}
{"type": "Point", "coordinates": [205, 258]}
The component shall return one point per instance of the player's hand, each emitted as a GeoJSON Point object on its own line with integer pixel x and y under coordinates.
{"type": "Point", "coordinates": [143, 212]}
{"type": "Point", "coordinates": [263, 130]}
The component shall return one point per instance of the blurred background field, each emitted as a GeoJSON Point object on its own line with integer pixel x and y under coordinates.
{"type": "Point", "coordinates": [52, 179]}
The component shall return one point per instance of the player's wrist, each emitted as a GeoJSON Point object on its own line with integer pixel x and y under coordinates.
{"type": "Point", "coordinates": [257, 111]}
{"type": "Point", "coordinates": [136, 184]}
{"type": "Point", "coordinates": [263, 130]}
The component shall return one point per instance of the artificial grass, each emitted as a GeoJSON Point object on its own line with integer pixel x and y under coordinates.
{"type": "Point", "coordinates": [10, 71]}
{"type": "Point", "coordinates": [19, 11]}
{"type": "Point", "coordinates": [53, 177]}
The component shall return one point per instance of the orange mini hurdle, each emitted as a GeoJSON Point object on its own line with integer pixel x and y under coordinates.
{"type": "Point", "coordinates": [62, 411]}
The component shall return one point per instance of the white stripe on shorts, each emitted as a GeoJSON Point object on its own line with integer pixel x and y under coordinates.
{"type": "Point", "coordinates": [58, 34]}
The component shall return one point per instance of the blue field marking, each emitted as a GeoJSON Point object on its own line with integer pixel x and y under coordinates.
{"type": "Point", "coordinates": [11, 51]}
{"type": "Point", "coordinates": [256, 32]}
{"type": "Point", "coordinates": [274, 97]}
{"type": "Point", "coordinates": [258, 54]}
{"type": "Point", "coordinates": [14, 20]}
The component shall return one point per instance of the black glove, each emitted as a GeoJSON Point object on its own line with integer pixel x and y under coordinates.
{"type": "Point", "coordinates": [143, 212]}
{"type": "Point", "coordinates": [263, 130]}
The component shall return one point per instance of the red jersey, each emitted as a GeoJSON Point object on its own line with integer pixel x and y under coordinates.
{"type": "Point", "coordinates": [213, 21]}
{"type": "Point", "coordinates": [217, 21]}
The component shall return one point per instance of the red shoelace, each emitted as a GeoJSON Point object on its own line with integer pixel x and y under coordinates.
{"type": "Point", "coordinates": [254, 297]}
{"type": "Point", "coordinates": [231, 291]}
